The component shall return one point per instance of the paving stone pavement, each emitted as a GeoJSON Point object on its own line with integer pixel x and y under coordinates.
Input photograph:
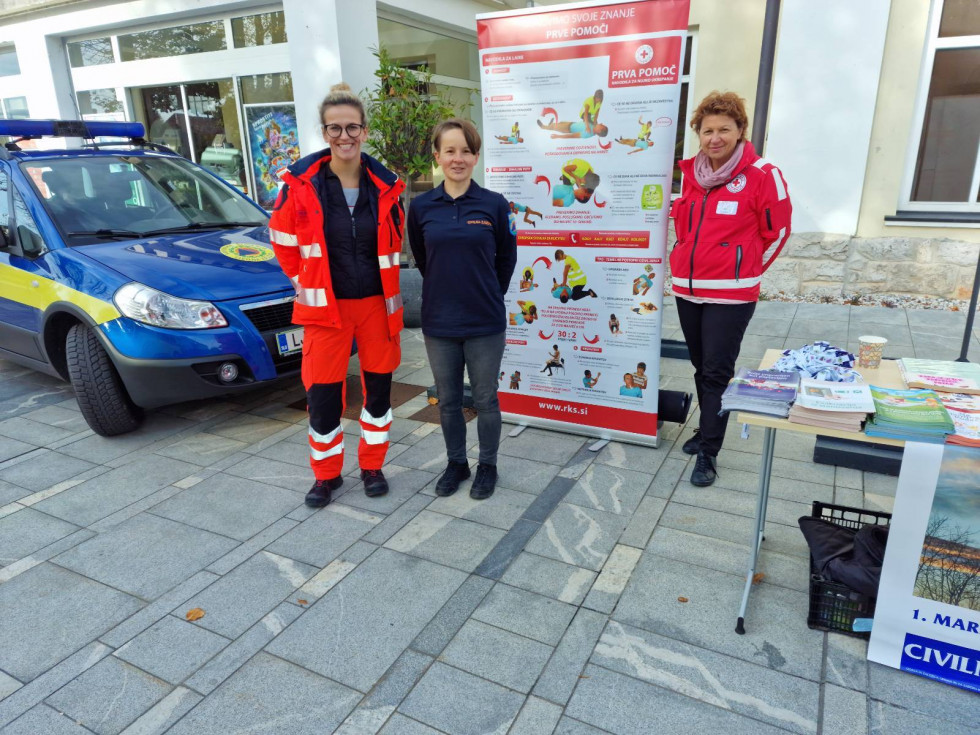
{"type": "Point", "coordinates": [554, 607]}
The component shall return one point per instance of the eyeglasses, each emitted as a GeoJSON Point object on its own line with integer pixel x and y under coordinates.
{"type": "Point", "coordinates": [335, 131]}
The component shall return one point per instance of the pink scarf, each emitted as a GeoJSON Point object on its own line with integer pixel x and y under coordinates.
{"type": "Point", "coordinates": [709, 179]}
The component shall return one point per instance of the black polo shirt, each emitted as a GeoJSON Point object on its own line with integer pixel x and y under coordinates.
{"type": "Point", "coordinates": [466, 249]}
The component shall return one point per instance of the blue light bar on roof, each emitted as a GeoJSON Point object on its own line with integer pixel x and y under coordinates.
{"type": "Point", "coordinates": [71, 129]}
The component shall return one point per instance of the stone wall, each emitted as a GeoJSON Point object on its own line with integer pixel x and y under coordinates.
{"type": "Point", "coordinates": [839, 265]}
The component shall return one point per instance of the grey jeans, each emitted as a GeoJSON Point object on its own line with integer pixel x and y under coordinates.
{"type": "Point", "coordinates": [481, 356]}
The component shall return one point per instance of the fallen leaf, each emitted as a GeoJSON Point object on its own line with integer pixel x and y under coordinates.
{"type": "Point", "coordinates": [758, 577]}
{"type": "Point", "coordinates": [682, 599]}
{"type": "Point", "coordinates": [583, 676]}
{"type": "Point", "coordinates": [302, 602]}
{"type": "Point", "coordinates": [195, 614]}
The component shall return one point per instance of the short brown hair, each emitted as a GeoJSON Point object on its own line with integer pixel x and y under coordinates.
{"type": "Point", "coordinates": [342, 94]}
{"type": "Point", "coordinates": [721, 103]}
{"type": "Point", "coordinates": [470, 133]}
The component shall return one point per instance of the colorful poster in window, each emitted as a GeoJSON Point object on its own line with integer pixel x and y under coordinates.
{"type": "Point", "coordinates": [927, 619]}
{"type": "Point", "coordinates": [273, 144]}
{"type": "Point", "coordinates": [580, 107]}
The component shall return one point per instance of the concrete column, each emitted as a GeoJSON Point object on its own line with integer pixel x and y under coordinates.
{"type": "Point", "coordinates": [825, 87]}
{"type": "Point", "coordinates": [45, 77]}
{"type": "Point", "coordinates": [329, 41]}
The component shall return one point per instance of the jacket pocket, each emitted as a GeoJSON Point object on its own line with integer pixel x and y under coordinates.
{"type": "Point", "coordinates": [738, 261]}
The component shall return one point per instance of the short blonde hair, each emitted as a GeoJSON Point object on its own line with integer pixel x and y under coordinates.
{"type": "Point", "coordinates": [721, 103]}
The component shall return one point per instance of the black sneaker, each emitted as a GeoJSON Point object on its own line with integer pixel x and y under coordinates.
{"type": "Point", "coordinates": [319, 494]}
{"type": "Point", "coordinates": [704, 473]}
{"type": "Point", "coordinates": [485, 481]}
{"type": "Point", "coordinates": [455, 473]}
{"type": "Point", "coordinates": [375, 484]}
{"type": "Point", "coordinates": [692, 445]}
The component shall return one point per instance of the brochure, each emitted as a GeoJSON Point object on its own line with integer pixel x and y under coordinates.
{"type": "Point", "coordinates": [909, 414]}
{"type": "Point", "coordinates": [824, 395]}
{"type": "Point", "coordinates": [760, 391]}
{"type": "Point", "coordinates": [941, 375]}
{"type": "Point", "coordinates": [964, 409]}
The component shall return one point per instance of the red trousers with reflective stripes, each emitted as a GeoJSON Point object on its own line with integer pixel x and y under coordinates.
{"type": "Point", "coordinates": [326, 354]}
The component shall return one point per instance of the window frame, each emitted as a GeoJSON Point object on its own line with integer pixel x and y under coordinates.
{"type": "Point", "coordinates": [933, 44]}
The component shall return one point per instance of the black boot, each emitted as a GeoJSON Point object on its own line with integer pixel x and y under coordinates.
{"type": "Point", "coordinates": [693, 445]}
{"type": "Point", "coordinates": [375, 483]}
{"type": "Point", "coordinates": [705, 472]}
{"type": "Point", "coordinates": [319, 494]}
{"type": "Point", "coordinates": [455, 473]}
{"type": "Point", "coordinates": [485, 482]}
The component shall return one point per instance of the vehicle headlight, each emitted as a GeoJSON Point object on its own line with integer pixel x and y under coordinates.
{"type": "Point", "coordinates": [159, 309]}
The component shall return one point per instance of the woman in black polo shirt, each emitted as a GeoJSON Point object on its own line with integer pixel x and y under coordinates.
{"type": "Point", "coordinates": [464, 241]}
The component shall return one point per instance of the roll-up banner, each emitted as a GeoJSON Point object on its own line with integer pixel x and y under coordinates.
{"type": "Point", "coordinates": [579, 116]}
{"type": "Point", "coordinates": [927, 619]}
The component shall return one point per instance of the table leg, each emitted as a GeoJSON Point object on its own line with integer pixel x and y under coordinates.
{"type": "Point", "coordinates": [765, 467]}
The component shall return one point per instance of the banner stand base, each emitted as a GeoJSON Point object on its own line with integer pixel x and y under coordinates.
{"type": "Point", "coordinates": [598, 445]}
{"type": "Point", "coordinates": [516, 431]}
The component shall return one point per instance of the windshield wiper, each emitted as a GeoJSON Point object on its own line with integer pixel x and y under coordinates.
{"type": "Point", "coordinates": [194, 226]}
{"type": "Point", "coordinates": [106, 234]}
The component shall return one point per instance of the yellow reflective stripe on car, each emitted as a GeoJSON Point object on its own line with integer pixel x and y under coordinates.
{"type": "Point", "coordinates": [18, 286]}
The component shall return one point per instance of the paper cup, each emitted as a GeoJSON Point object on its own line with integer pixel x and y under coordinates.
{"type": "Point", "coordinates": [869, 351]}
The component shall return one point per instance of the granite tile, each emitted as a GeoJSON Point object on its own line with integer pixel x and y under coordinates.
{"type": "Point", "coordinates": [389, 592]}
{"type": "Point", "coordinates": [325, 535]}
{"type": "Point", "coordinates": [611, 489]}
{"type": "Point", "coordinates": [172, 649]}
{"type": "Point", "coordinates": [564, 669]}
{"type": "Point", "coordinates": [502, 657]}
{"type": "Point", "coordinates": [28, 530]}
{"type": "Point", "coordinates": [554, 579]}
{"type": "Point", "coordinates": [49, 613]}
{"type": "Point", "coordinates": [525, 613]}
{"type": "Point", "coordinates": [579, 536]}
{"type": "Point", "coordinates": [441, 629]}
{"type": "Point", "coordinates": [43, 719]}
{"type": "Point", "coordinates": [445, 540]}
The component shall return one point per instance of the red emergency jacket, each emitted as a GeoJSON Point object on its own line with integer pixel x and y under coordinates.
{"type": "Point", "coordinates": [729, 235]}
{"type": "Point", "coordinates": [296, 232]}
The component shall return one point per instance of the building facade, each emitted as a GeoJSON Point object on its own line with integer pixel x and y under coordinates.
{"type": "Point", "coordinates": [874, 115]}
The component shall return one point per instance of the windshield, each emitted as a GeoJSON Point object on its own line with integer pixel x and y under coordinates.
{"type": "Point", "coordinates": [95, 198]}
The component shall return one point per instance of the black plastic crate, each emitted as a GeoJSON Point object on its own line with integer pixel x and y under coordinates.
{"type": "Point", "coordinates": [835, 606]}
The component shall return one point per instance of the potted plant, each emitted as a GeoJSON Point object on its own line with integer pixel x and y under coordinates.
{"type": "Point", "coordinates": [402, 108]}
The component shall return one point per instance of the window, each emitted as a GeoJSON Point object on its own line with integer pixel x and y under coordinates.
{"type": "Point", "coordinates": [444, 55]}
{"type": "Point", "coordinates": [9, 66]}
{"type": "Point", "coordinates": [31, 241]}
{"type": "Point", "coordinates": [178, 41]}
{"type": "Point", "coordinates": [13, 108]}
{"type": "Point", "coordinates": [100, 104]}
{"type": "Point", "coordinates": [92, 52]}
{"type": "Point", "coordinates": [259, 30]}
{"type": "Point", "coordinates": [4, 205]}
{"type": "Point", "coordinates": [944, 174]}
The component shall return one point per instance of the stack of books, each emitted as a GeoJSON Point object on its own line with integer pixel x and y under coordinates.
{"type": "Point", "coordinates": [830, 405]}
{"type": "Point", "coordinates": [964, 409]}
{"type": "Point", "coordinates": [941, 375]}
{"type": "Point", "coordinates": [912, 415]}
{"type": "Point", "coordinates": [769, 392]}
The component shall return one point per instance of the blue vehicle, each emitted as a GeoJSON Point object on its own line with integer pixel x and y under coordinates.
{"type": "Point", "coordinates": [135, 274]}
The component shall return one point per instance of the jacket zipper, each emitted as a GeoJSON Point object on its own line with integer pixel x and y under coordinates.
{"type": "Point", "coordinates": [690, 218]}
{"type": "Point", "coordinates": [704, 201]}
{"type": "Point", "coordinates": [768, 219]}
{"type": "Point", "coordinates": [738, 261]}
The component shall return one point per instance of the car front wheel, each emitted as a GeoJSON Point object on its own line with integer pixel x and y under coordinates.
{"type": "Point", "coordinates": [102, 397]}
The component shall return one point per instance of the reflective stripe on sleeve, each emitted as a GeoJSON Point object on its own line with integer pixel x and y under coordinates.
{"type": "Point", "coordinates": [370, 420]}
{"type": "Point", "coordinates": [311, 251]}
{"type": "Point", "coordinates": [393, 304]}
{"type": "Point", "coordinates": [389, 261]}
{"type": "Point", "coordinates": [295, 281]}
{"type": "Point", "coordinates": [282, 238]}
{"type": "Point", "coordinates": [780, 239]}
{"type": "Point", "coordinates": [719, 284]}
{"type": "Point", "coordinates": [311, 296]}
{"type": "Point", "coordinates": [374, 437]}
{"type": "Point", "coordinates": [780, 189]}
{"type": "Point", "coordinates": [761, 163]}
{"type": "Point", "coordinates": [325, 438]}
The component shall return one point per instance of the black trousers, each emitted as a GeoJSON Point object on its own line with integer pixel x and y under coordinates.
{"type": "Point", "coordinates": [713, 333]}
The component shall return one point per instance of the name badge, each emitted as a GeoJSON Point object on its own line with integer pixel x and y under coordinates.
{"type": "Point", "coordinates": [727, 208]}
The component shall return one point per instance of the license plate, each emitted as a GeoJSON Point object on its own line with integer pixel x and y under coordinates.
{"type": "Point", "coordinates": [290, 341]}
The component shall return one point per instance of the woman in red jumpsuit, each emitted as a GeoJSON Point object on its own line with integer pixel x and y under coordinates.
{"type": "Point", "coordinates": [336, 229]}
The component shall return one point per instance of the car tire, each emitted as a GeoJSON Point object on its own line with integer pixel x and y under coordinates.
{"type": "Point", "coordinates": [101, 395]}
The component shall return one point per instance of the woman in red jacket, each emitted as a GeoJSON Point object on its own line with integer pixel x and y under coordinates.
{"type": "Point", "coordinates": [336, 229]}
{"type": "Point", "coordinates": [731, 221]}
